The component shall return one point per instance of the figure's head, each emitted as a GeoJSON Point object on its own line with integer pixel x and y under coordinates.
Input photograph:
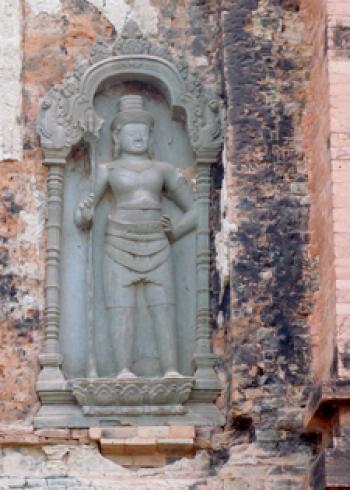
{"type": "Point", "coordinates": [134, 138]}
{"type": "Point", "coordinates": [132, 127]}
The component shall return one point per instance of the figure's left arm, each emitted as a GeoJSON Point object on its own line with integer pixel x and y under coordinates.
{"type": "Point", "coordinates": [180, 193]}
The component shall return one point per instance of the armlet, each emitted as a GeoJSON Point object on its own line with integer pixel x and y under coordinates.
{"type": "Point", "coordinates": [179, 182]}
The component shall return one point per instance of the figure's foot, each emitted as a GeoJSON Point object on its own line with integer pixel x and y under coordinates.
{"type": "Point", "coordinates": [126, 374]}
{"type": "Point", "coordinates": [172, 374]}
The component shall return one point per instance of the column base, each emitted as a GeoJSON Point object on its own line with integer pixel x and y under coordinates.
{"type": "Point", "coordinates": [207, 387]}
{"type": "Point", "coordinates": [65, 415]}
{"type": "Point", "coordinates": [56, 397]}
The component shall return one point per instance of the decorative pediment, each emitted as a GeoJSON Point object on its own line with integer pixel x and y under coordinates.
{"type": "Point", "coordinates": [67, 113]}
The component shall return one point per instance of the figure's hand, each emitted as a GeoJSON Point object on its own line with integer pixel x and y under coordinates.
{"type": "Point", "coordinates": [84, 213]}
{"type": "Point", "coordinates": [168, 227]}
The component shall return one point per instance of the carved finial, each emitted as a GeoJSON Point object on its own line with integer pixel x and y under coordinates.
{"type": "Point", "coordinates": [194, 85]}
{"type": "Point", "coordinates": [211, 135]}
{"type": "Point", "coordinates": [183, 67]}
{"type": "Point", "coordinates": [161, 50]}
{"type": "Point", "coordinates": [52, 133]}
{"type": "Point", "coordinates": [100, 50]}
{"type": "Point", "coordinates": [131, 40]}
{"type": "Point", "coordinates": [131, 30]}
{"type": "Point", "coordinates": [81, 66]}
{"type": "Point", "coordinates": [70, 84]}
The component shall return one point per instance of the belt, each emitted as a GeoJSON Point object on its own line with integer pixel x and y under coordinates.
{"type": "Point", "coordinates": [115, 227]}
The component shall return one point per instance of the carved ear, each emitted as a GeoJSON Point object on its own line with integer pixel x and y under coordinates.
{"type": "Point", "coordinates": [115, 143]}
{"type": "Point", "coordinates": [151, 145]}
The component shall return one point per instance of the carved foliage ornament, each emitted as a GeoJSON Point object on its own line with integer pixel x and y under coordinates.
{"type": "Point", "coordinates": [66, 115]}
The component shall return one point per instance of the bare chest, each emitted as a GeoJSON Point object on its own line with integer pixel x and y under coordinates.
{"type": "Point", "coordinates": [124, 180]}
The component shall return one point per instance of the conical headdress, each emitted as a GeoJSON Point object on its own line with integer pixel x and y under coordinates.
{"type": "Point", "coordinates": [131, 111]}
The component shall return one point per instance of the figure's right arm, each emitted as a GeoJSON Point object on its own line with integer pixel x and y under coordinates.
{"type": "Point", "coordinates": [83, 215]}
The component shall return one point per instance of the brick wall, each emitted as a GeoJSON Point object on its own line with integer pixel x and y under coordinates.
{"type": "Point", "coordinates": [338, 29]}
{"type": "Point", "coordinates": [273, 279]}
{"type": "Point", "coordinates": [318, 157]}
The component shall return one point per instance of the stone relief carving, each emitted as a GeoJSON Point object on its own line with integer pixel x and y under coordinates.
{"type": "Point", "coordinates": [137, 238]}
{"type": "Point", "coordinates": [137, 251]}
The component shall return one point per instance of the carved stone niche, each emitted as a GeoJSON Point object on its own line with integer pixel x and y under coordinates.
{"type": "Point", "coordinates": [127, 337]}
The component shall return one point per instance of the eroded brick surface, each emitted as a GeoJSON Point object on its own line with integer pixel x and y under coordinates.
{"type": "Point", "coordinates": [273, 278]}
{"type": "Point", "coordinates": [10, 80]}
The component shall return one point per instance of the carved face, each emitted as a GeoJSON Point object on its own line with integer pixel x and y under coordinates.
{"type": "Point", "coordinates": [134, 138]}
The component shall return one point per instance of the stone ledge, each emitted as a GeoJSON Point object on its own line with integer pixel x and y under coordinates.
{"type": "Point", "coordinates": [149, 446]}
{"type": "Point", "coordinates": [143, 432]}
{"type": "Point", "coordinates": [137, 445]}
{"type": "Point", "coordinates": [28, 436]}
{"type": "Point", "coordinates": [324, 402]}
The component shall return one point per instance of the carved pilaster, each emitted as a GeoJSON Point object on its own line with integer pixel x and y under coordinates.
{"type": "Point", "coordinates": [51, 384]}
{"type": "Point", "coordinates": [206, 383]}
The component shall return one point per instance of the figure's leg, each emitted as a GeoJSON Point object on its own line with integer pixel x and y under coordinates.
{"type": "Point", "coordinates": [122, 329]}
{"type": "Point", "coordinates": [160, 299]}
{"type": "Point", "coordinates": [120, 299]}
{"type": "Point", "coordinates": [163, 321]}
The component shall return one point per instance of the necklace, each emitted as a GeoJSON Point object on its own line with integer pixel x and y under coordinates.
{"type": "Point", "coordinates": [136, 166]}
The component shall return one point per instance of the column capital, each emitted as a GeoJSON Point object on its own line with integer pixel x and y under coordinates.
{"type": "Point", "coordinates": [55, 156]}
{"type": "Point", "coordinates": [207, 156]}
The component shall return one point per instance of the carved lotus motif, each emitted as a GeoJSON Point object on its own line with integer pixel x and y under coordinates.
{"type": "Point", "coordinates": [160, 393]}
{"type": "Point", "coordinates": [81, 394]}
{"type": "Point", "coordinates": [110, 392]}
{"type": "Point", "coordinates": [132, 395]}
{"type": "Point", "coordinates": [182, 394]}
{"type": "Point", "coordinates": [104, 394]}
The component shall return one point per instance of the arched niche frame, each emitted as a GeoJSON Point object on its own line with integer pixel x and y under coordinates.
{"type": "Point", "coordinates": [67, 116]}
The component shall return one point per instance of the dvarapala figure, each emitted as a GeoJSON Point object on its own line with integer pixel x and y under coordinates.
{"type": "Point", "coordinates": [138, 236]}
